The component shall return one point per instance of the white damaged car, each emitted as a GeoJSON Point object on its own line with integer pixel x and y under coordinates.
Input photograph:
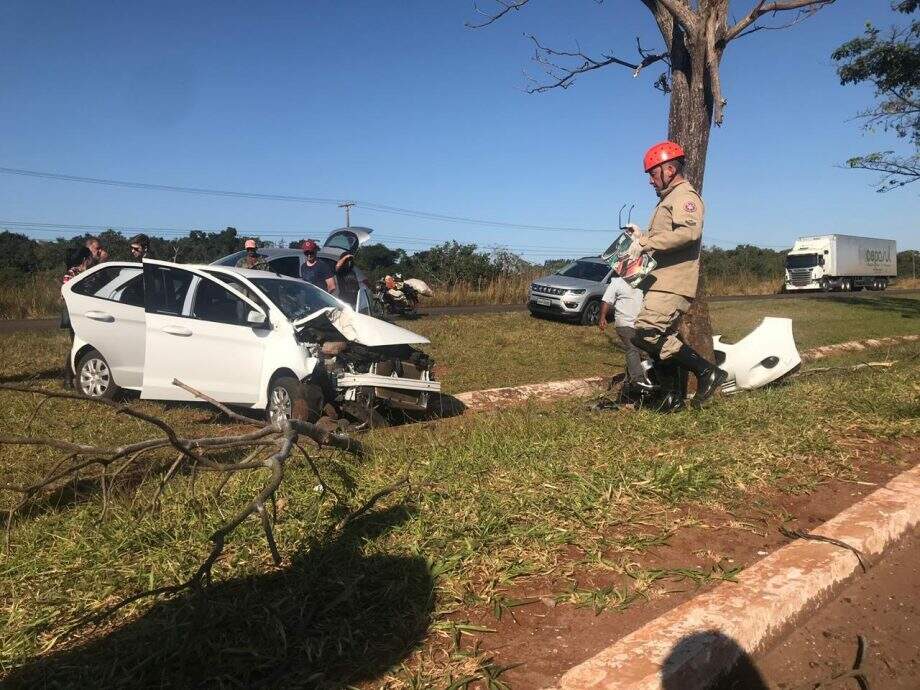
{"type": "Point", "coordinates": [247, 338]}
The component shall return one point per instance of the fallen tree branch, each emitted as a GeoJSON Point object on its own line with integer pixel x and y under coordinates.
{"type": "Point", "coordinates": [105, 464]}
{"type": "Point", "coordinates": [855, 367]}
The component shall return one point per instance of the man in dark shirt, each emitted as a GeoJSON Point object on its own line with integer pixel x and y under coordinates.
{"type": "Point", "coordinates": [315, 271]}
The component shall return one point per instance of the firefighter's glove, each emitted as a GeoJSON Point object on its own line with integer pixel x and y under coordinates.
{"type": "Point", "coordinates": [634, 231]}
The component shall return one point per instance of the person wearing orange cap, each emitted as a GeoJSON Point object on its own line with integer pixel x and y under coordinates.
{"type": "Point", "coordinates": [252, 258]}
{"type": "Point", "coordinates": [675, 236]}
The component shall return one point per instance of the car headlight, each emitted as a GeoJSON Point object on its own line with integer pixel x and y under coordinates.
{"type": "Point", "coordinates": [576, 292]}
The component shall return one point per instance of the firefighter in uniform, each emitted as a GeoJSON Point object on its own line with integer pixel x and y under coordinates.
{"type": "Point", "coordinates": [675, 237]}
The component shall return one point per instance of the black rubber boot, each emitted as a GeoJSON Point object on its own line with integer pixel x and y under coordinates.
{"type": "Point", "coordinates": [708, 376]}
{"type": "Point", "coordinates": [673, 384]}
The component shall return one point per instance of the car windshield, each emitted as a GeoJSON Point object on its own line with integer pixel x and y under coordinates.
{"type": "Point", "coordinates": [295, 299]}
{"type": "Point", "coordinates": [801, 260]}
{"type": "Point", "coordinates": [586, 270]}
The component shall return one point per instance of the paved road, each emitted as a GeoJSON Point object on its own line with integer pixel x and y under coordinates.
{"type": "Point", "coordinates": [24, 325]}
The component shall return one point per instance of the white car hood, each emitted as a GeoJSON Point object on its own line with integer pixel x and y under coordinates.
{"type": "Point", "coordinates": [363, 329]}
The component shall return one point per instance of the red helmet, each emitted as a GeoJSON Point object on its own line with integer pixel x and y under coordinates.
{"type": "Point", "coordinates": [309, 246]}
{"type": "Point", "coordinates": [662, 153]}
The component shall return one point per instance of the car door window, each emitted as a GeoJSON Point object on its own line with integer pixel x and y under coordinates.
{"type": "Point", "coordinates": [286, 266]}
{"type": "Point", "coordinates": [132, 292]}
{"type": "Point", "coordinates": [165, 289]}
{"type": "Point", "coordinates": [214, 302]}
{"type": "Point", "coordinates": [106, 283]}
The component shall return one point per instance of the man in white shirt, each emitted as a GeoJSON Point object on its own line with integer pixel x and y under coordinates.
{"type": "Point", "coordinates": [626, 302]}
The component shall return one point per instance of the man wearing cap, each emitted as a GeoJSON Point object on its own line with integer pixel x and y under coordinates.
{"type": "Point", "coordinates": [675, 236]}
{"type": "Point", "coordinates": [252, 259]}
{"type": "Point", "coordinates": [315, 271]}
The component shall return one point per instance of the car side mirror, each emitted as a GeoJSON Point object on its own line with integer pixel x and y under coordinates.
{"type": "Point", "coordinates": [256, 318]}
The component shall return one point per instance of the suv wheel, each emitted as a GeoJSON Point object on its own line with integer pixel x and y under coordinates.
{"type": "Point", "coordinates": [94, 377]}
{"type": "Point", "coordinates": [591, 313]}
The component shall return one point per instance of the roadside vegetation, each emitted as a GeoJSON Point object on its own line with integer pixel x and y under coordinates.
{"type": "Point", "coordinates": [460, 274]}
{"type": "Point", "coordinates": [497, 504]}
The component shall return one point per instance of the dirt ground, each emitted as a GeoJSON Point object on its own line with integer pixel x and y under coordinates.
{"type": "Point", "coordinates": [883, 606]}
{"type": "Point", "coordinates": [549, 639]}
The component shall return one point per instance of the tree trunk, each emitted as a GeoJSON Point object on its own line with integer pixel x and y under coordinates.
{"type": "Point", "coordinates": [689, 124]}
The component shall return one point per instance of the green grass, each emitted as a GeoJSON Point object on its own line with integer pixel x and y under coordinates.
{"type": "Point", "coordinates": [492, 350]}
{"type": "Point", "coordinates": [498, 500]}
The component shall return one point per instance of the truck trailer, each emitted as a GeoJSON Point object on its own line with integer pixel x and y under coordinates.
{"type": "Point", "coordinates": [841, 263]}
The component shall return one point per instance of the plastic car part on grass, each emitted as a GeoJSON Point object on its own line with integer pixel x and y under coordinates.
{"type": "Point", "coordinates": [764, 355]}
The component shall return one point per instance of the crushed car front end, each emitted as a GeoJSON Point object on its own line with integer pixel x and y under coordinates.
{"type": "Point", "coordinates": [368, 362]}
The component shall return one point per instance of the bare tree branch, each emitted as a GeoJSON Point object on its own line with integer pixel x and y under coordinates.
{"type": "Point", "coordinates": [193, 453]}
{"type": "Point", "coordinates": [506, 7]}
{"type": "Point", "coordinates": [564, 75]}
{"type": "Point", "coordinates": [807, 8]}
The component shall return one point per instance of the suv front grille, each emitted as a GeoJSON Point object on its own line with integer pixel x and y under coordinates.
{"type": "Point", "coordinates": [546, 289]}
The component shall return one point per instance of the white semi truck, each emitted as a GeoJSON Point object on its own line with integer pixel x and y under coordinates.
{"type": "Point", "coordinates": [840, 262]}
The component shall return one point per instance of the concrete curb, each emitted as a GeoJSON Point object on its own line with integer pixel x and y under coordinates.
{"type": "Point", "coordinates": [856, 346]}
{"type": "Point", "coordinates": [770, 596]}
{"type": "Point", "coordinates": [493, 398]}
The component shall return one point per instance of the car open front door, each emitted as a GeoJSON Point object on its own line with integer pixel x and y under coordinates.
{"type": "Point", "coordinates": [198, 333]}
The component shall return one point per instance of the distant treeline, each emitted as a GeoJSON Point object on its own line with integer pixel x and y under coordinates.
{"type": "Point", "coordinates": [446, 264]}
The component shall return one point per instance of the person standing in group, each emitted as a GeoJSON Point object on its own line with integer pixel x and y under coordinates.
{"type": "Point", "coordinates": [315, 271]}
{"type": "Point", "coordinates": [675, 236]}
{"type": "Point", "coordinates": [626, 303]}
{"type": "Point", "coordinates": [252, 259]}
{"type": "Point", "coordinates": [140, 247]}
{"type": "Point", "coordinates": [77, 261]}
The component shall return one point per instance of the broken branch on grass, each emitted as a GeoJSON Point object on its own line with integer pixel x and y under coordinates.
{"type": "Point", "coordinates": [855, 367]}
{"type": "Point", "coordinates": [85, 461]}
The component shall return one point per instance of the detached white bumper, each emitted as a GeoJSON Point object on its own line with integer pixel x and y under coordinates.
{"type": "Point", "coordinates": [396, 382]}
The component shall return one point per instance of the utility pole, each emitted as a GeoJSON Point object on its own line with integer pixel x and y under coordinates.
{"type": "Point", "coordinates": [347, 206]}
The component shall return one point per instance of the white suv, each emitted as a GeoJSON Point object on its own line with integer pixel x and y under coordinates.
{"type": "Point", "coordinates": [247, 338]}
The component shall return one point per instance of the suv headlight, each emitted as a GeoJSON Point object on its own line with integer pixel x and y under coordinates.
{"type": "Point", "coordinates": [577, 292]}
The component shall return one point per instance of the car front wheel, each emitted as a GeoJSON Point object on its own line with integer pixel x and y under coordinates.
{"type": "Point", "coordinates": [591, 313]}
{"type": "Point", "coordinates": [94, 377]}
{"type": "Point", "coordinates": [288, 398]}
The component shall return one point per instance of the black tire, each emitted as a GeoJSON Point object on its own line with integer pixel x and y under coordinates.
{"type": "Point", "coordinates": [93, 377]}
{"type": "Point", "coordinates": [883, 284]}
{"type": "Point", "coordinates": [288, 398]}
{"type": "Point", "coordinates": [825, 285]}
{"type": "Point", "coordinates": [591, 313]}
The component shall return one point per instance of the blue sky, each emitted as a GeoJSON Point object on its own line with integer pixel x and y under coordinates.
{"type": "Point", "coordinates": [398, 103]}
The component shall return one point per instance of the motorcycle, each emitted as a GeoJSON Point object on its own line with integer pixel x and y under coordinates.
{"type": "Point", "coordinates": [399, 297]}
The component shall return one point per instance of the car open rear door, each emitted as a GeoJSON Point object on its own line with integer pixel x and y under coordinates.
{"type": "Point", "coordinates": [197, 333]}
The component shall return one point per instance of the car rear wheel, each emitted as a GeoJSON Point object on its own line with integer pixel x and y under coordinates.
{"type": "Point", "coordinates": [94, 377]}
{"type": "Point", "coordinates": [591, 313]}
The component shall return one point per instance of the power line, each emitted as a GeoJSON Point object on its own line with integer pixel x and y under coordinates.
{"type": "Point", "coordinates": [381, 208]}
{"type": "Point", "coordinates": [384, 237]}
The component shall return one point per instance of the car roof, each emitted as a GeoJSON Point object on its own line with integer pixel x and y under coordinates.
{"type": "Point", "coordinates": [593, 260]}
{"type": "Point", "coordinates": [245, 272]}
